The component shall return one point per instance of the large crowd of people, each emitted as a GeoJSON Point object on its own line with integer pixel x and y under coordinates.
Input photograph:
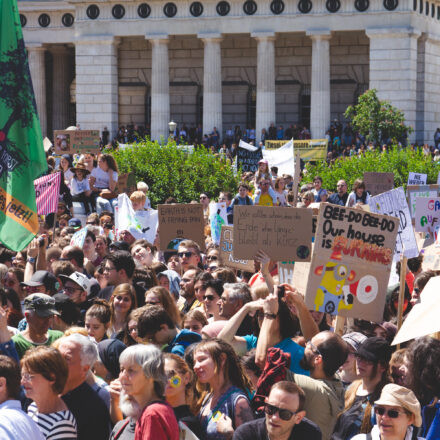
{"type": "Point", "coordinates": [120, 339]}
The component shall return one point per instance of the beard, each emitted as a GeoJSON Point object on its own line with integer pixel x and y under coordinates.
{"type": "Point", "coordinates": [305, 363]}
{"type": "Point", "coordinates": [129, 406]}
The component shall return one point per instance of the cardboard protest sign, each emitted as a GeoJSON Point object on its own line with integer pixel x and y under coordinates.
{"type": "Point", "coordinates": [76, 141]}
{"type": "Point", "coordinates": [394, 203]}
{"type": "Point", "coordinates": [422, 320]}
{"type": "Point", "coordinates": [248, 157]}
{"type": "Point", "coordinates": [217, 218]}
{"type": "Point", "coordinates": [427, 214]}
{"type": "Point", "coordinates": [417, 178]}
{"type": "Point", "coordinates": [351, 262]}
{"type": "Point", "coordinates": [377, 183]}
{"type": "Point", "coordinates": [415, 191]}
{"type": "Point", "coordinates": [301, 275]}
{"type": "Point", "coordinates": [226, 251]}
{"type": "Point", "coordinates": [283, 233]}
{"type": "Point", "coordinates": [178, 222]}
{"type": "Point", "coordinates": [79, 237]}
{"type": "Point", "coordinates": [311, 149]}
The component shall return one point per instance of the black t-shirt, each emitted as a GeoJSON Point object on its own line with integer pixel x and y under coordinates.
{"type": "Point", "coordinates": [183, 414]}
{"type": "Point", "coordinates": [256, 430]}
{"type": "Point", "coordinates": [91, 414]}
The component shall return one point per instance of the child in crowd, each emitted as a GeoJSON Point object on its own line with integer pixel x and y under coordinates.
{"type": "Point", "coordinates": [80, 187]}
{"type": "Point", "coordinates": [137, 199]}
{"type": "Point", "coordinates": [142, 186]}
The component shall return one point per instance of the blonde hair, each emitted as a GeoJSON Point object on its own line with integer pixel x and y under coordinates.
{"type": "Point", "coordinates": [138, 197]}
{"type": "Point", "coordinates": [167, 302]}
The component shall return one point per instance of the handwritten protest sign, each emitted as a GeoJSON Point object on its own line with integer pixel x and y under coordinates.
{"type": "Point", "coordinates": [76, 141]}
{"type": "Point", "coordinates": [394, 203]}
{"type": "Point", "coordinates": [415, 191]}
{"type": "Point", "coordinates": [217, 218]}
{"type": "Point", "coordinates": [178, 222]}
{"type": "Point", "coordinates": [226, 251]}
{"type": "Point", "coordinates": [377, 183]}
{"type": "Point", "coordinates": [427, 214]}
{"type": "Point", "coordinates": [417, 178]}
{"type": "Point", "coordinates": [284, 234]}
{"type": "Point", "coordinates": [248, 157]}
{"type": "Point", "coordinates": [351, 262]}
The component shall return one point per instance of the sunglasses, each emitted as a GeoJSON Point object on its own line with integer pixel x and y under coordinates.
{"type": "Point", "coordinates": [208, 297]}
{"type": "Point", "coordinates": [184, 254]}
{"type": "Point", "coordinates": [284, 414]}
{"type": "Point", "coordinates": [212, 258]}
{"type": "Point", "coordinates": [391, 413]}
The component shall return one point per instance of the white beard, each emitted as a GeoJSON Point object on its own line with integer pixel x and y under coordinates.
{"type": "Point", "coordinates": [129, 406]}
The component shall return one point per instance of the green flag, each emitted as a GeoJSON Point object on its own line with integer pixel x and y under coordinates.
{"type": "Point", "coordinates": [22, 157]}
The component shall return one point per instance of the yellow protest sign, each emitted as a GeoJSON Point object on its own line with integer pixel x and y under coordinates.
{"type": "Point", "coordinates": [311, 149]}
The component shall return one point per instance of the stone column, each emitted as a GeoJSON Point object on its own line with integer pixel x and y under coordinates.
{"type": "Point", "coordinates": [320, 87]}
{"type": "Point", "coordinates": [160, 87]}
{"type": "Point", "coordinates": [212, 83]}
{"type": "Point", "coordinates": [96, 67]}
{"type": "Point", "coordinates": [393, 68]}
{"type": "Point", "coordinates": [265, 81]}
{"type": "Point", "coordinates": [60, 87]}
{"type": "Point", "coordinates": [37, 67]}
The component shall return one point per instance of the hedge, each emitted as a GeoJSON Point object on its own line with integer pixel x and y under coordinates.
{"type": "Point", "coordinates": [396, 160]}
{"type": "Point", "coordinates": [170, 171]}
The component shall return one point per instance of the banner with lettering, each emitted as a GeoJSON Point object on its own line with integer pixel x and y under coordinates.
{"type": "Point", "coordinates": [47, 192]}
{"type": "Point", "coordinates": [311, 149]}
{"type": "Point", "coordinates": [76, 141]}
{"type": "Point", "coordinates": [415, 191]}
{"type": "Point", "coordinates": [351, 262]}
{"type": "Point", "coordinates": [427, 214]}
{"type": "Point", "coordinates": [226, 251]}
{"type": "Point", "coordinates": [248, 157]}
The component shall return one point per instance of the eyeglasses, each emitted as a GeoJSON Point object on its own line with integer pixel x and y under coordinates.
{"type": "Point", "coordinates": [284, 414]}
{"type": "Point", "coordinates": [203, 197]}
{"type": "Point", "coordinates": [123, 298]}
{"type": "Point", "coordinates": [186, 254]}
{"type": "Point", "coordinates": [391, 413]}
{"type": "Point", "coordinates": [69, 289]}
{"type": "Point", "coordinates": [208, 297]}
{"type": "Point", "coordinates": [108, 269]}
{"type": "Point", "coordinates": [212, 258]}
{"type": "Point", "coordinates": [33, 289]}
{"type": "Point", "coordinates": [26, 377]}
{"type": "Point", "coordinates": [314, 347]}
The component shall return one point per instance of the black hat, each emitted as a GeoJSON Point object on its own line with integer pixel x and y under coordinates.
{"type": "Point", "coordinates": [42, 304]}
{"type": "Point", "coordinates": [119, 246]}
{"type": "Point", "coordinates": [43, 278]}
{"type": "Point", "coordinates": [375, 350]}
{"type": "Point", "coordinates": [69, 312]}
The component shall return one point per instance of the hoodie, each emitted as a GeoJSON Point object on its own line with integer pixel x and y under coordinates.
{"type": "Point", "coordinates": [324, 400]}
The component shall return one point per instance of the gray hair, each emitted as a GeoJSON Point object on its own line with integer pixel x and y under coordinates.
{"type": "Point", "coordinates": [150, 358]}
{"type": "Point", "coordinates": [238, 292]}
{"type": "Point", "coordinates": [89, 352]}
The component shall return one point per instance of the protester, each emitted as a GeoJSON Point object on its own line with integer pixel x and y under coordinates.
{"type": "Point", "coordinates": [159, 296]}
{"type": "Point", "coordinates": [122, 302]}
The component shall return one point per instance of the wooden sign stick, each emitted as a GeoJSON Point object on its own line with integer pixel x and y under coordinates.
{"type": "Point", "coordinates": [296, 178]}
{"type": "Point", "coordinates": [339, 326]}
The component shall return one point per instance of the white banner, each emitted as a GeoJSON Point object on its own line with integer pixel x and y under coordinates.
{"type": "Point", "coordinates": [283, 158]}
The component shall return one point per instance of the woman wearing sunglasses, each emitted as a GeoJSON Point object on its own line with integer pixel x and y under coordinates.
{"type": "Point", "coordinates": [397, 413]}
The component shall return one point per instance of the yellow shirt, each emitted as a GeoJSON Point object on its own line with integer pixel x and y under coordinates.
{"type": "Point", "coordinates": [265, 200]}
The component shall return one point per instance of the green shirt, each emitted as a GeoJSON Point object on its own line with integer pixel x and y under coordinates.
{"type": "Point", "coordinates": [22, 344]}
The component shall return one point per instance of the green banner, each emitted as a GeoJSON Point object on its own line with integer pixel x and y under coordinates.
{"type": "Point", "coordinates": [22, 157]}
{"type": "Point", "coordinates": [311, 149]}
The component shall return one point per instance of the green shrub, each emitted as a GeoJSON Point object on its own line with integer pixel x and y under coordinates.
{"type": "Point", "coordinates": [398, 161]}
{"type": "Point", "coordinates": [171, 172]}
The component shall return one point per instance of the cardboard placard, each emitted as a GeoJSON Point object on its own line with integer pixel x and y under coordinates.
{"type": "Point", "coordinates": [351, 262]}
{"type": "Point", "coordinates": [76, 141]}
{"type": "Point", "coordinates": [217, 218]}
{"type": "Point", "coordinates": [226, 251]}
{"type": "Point", "coordinates": [394, 203]}
{"type": "Point", "coordinates": [283, 233]}
{"type": "Point", "coordinates": [248, 157]}
{"type": "Point", "coordinates": [179, 222]}
{"type": "Point", "coordinates": [417, 178]}
{"type": "Point", "coordinates": [126, 183]}
{"type": "Point", "coordinates": [427, 214]}
{"type": "Point", "coordinates": [378, 183]}
{"type": "Point", "coordinates": [415, 191]}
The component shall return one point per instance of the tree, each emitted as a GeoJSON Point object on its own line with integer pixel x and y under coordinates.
{"type": "Point", "coordinates": [377, 120]}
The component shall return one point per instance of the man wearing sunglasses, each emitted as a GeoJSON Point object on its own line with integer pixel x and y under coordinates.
{"type": "Point", "coordinates": [284, 409]}
{"type": "Point", "coordinates": [189, 254]}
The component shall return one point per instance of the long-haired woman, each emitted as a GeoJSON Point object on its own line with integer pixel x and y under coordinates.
{"type": "Point", "coordinates": [122, 302]}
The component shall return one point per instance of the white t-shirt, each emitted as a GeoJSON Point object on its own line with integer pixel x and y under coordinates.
{"type": "Point", "coordinates": [102, 180]}
{"type": "Point", "coordinates": [79, 186]}
{"type": "Point", "coordinates": [68, 175]}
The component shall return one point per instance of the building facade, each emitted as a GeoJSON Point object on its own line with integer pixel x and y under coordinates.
{"type": "Point", "coordinates": [222, 63]}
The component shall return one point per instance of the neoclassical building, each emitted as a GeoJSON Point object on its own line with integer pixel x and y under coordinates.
{"type": "Point", "coordinates": [230, 62]}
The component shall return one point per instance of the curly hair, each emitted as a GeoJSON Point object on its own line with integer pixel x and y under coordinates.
{"type": "Point", "coordinates": [424, 369]}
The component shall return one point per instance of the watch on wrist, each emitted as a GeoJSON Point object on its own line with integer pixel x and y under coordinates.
{"type": "Point", "coordinates": [270, 315]}
{"type": "Point", "coordinates": [31, 260]}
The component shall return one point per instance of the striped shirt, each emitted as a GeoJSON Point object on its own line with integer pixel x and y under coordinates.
{"type": "Point", "coordinates": [60, 425]}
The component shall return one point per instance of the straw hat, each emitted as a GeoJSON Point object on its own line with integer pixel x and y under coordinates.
{"type": "Point", "coordinates": [80, 166]}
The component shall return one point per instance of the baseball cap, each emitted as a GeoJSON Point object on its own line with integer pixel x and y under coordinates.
{"type": "Point", "coordinates": [263, 161]}
{"type": "Point", "coordinates": [42, 278]}
{"type": "Point", "coordinates": [67, 309]}
{"type": "Point", "coordinates": [42, 304]}
{"type": "Point", "coordinates": [75, 223]}
{"type": "Point", "coordinates": [80, 279]}
{"type": "Point", "coordinates": [396, 395]}
{"type": "Point", "coordinates": [375, 350]}
{"type": "Point", "coordinates": [354, 339]}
